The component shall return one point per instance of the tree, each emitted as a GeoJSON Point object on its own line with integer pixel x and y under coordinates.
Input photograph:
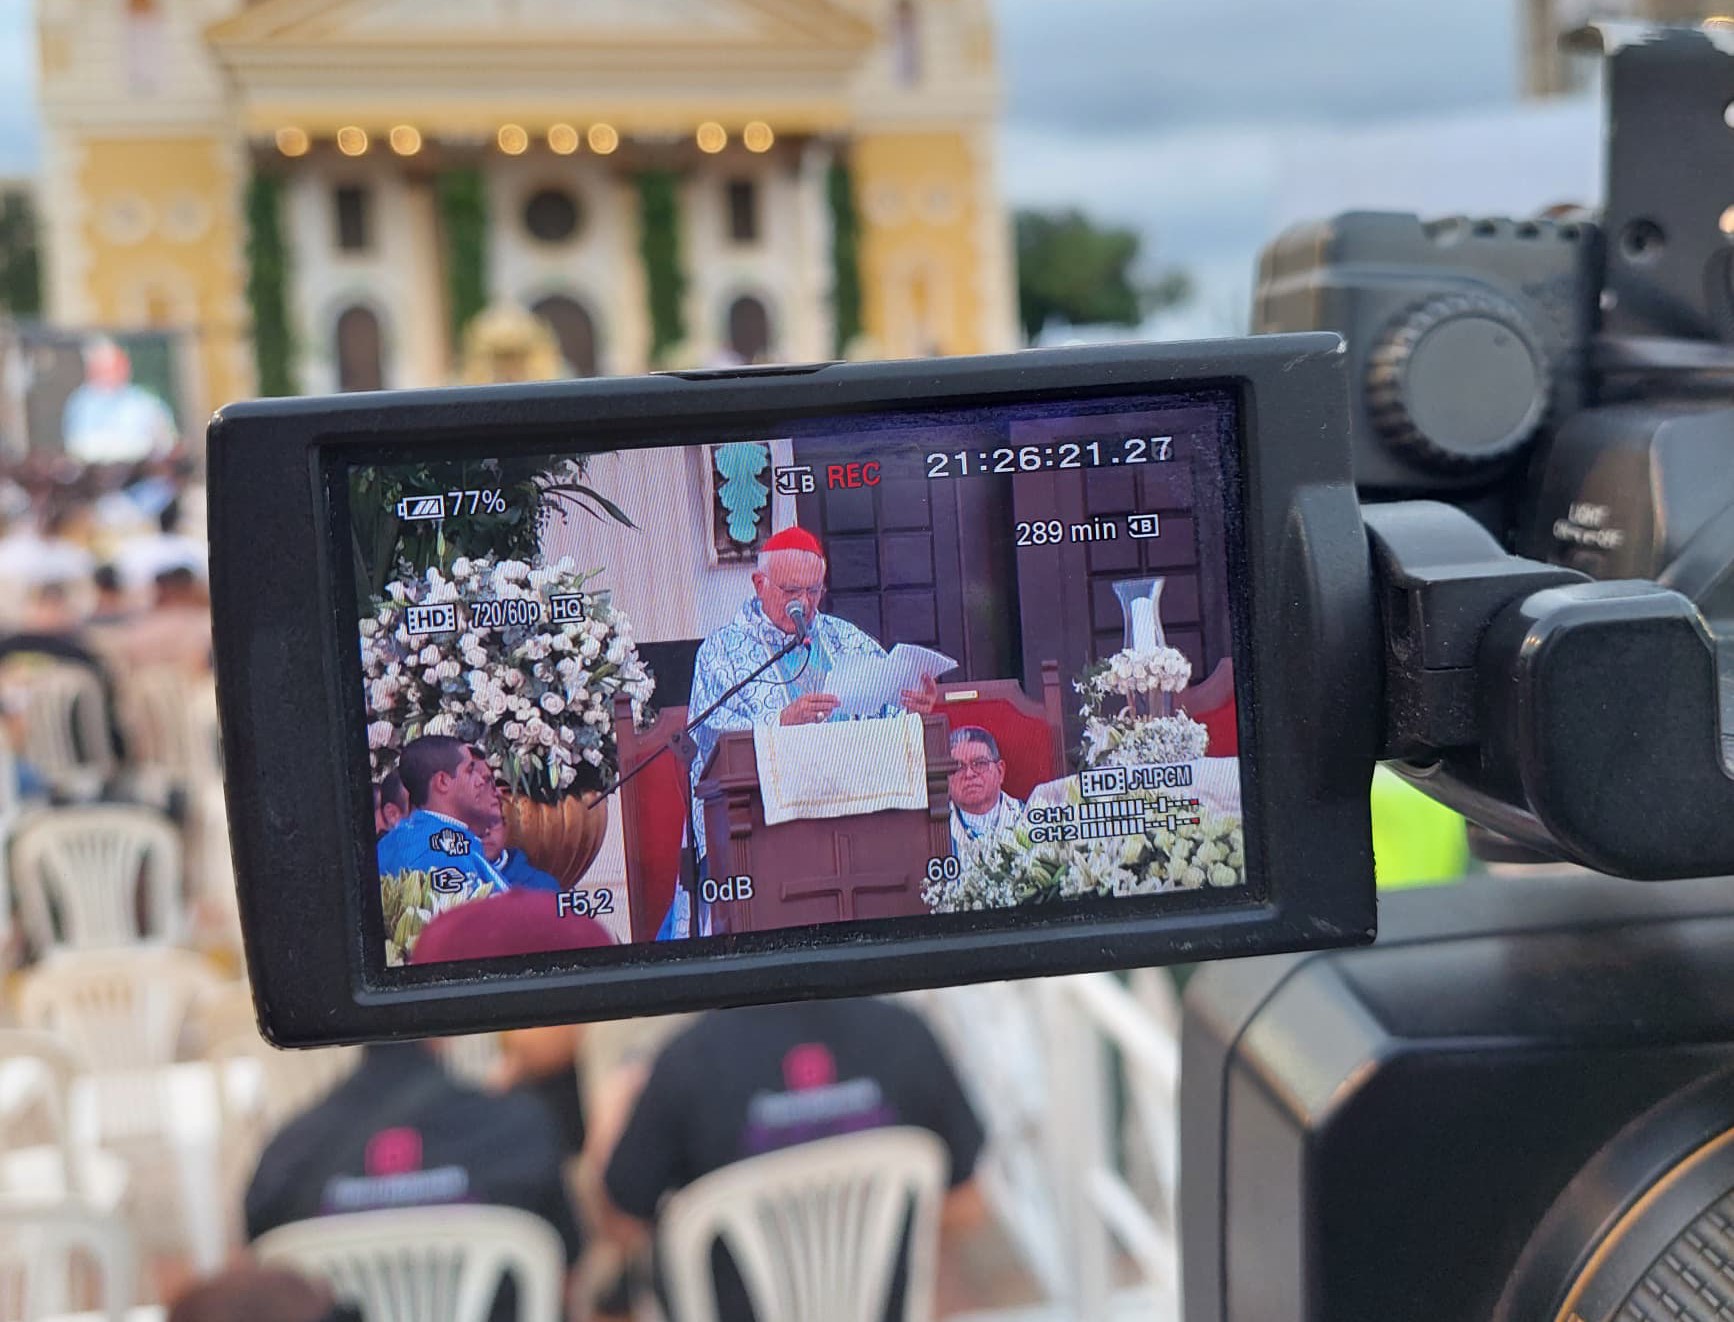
{"type": "Point", "coordinates": [268, 287]}
{"type": "Point", "coordinates": [1072, 269]}
{"type": "Point", "coordinates": [659, 246]}
{"type": "Point", "coordinates": [20, 268]}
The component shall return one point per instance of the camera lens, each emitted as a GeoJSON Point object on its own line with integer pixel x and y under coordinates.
{"type": "Point", "coordinates": [1646, 1229]}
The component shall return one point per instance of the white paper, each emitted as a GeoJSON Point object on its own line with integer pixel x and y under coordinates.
{"type": "Point", "coordinates": [866, 685]}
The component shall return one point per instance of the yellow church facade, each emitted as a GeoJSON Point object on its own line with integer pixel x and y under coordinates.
{"type": "Point", "coordinates": [317, 195]}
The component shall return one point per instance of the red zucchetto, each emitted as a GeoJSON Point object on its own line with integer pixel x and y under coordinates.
{"type": "Point", "coordinates": [794, 539]}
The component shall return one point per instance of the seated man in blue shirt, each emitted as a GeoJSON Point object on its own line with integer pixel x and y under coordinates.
{"type": "Point", "coordinates": [453, 803]}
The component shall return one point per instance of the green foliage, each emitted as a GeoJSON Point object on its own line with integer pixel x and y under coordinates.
{"type": "Point", "coordinates": [533, 492]}
{"type": "Point", "coordinates": [20, 259]}
{"type": "Point", "coordinates": [659, 246]}
{"type": "Point", "coordinates": [463, 211]}
{"type": "Point", "coordinates": [1074, 270]}
{"type": "Point", "coordinates": [268, 287]}
{"type": "Point", "coordinates": [845, 255]}
{"type": "Point", "coordinates": [409, 903]}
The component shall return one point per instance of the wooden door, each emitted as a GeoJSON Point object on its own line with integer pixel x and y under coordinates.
{"type": "Point", "coordinates": [1069, 610]}
{"type": "Point", "coordinates": [914, 560]}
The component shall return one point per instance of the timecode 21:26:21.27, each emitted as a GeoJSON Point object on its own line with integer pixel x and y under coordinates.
{"type": "Point", "coordinates": [1039, 458]}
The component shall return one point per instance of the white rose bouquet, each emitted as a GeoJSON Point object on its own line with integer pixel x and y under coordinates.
{"type": "Point", "coordinates": [1133, 737]}
{"type": "Point", "coordinates": [536, 697]}
{"type": "Point", "coordinates": [1011, 869]}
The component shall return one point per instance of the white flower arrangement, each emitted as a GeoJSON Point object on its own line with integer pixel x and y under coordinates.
{"type": "Point", "coordinates": [1010, 869]}
{"type": "Point", "coordinates": [1141, 741]}
{"type": "Point", "coordinates": [1133, 737]}
{"type": "Point", "coordinates": [546, 727]}
{"type": "Point", "coordinates": [1131, 674]}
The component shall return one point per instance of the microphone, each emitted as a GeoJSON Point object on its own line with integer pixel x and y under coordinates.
{"type": "Point", "coordinates": [798, 614]}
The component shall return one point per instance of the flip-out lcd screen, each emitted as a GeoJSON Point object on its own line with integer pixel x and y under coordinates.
{"type": "Point", "coordinates": [885, 667]}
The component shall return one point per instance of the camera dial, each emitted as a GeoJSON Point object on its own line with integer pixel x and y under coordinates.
{"type": "Point", "coordinates": [1459, 381]}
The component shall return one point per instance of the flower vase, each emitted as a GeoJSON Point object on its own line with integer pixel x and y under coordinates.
{"type": "Point", "coordinates": [561, 838]}
{"type": "Point", "coordinates": [1141, 605]}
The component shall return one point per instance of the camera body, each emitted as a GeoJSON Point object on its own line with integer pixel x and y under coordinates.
{"type": "Point", "coordinates": [1398, 1132]}
{"type": "Point", "coordinates": [493, 569]}
{"type": "Point", "coordinates": [1519, 1105]}
{"type": "Point", "coordinates": [1605, 454]}
{"type": "Point", "coordinates": [1427, 306]}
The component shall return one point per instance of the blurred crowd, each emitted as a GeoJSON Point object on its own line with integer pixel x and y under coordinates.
{"type": "Point", "coordinates": [104, 565]}
{"type": "Point", "coordinates": [128, 1054]}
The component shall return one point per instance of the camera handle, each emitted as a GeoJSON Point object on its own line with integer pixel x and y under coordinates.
{"type": "Point", "coordinates": [1592, 720]}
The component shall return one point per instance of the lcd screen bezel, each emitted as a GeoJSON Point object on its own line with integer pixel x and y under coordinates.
{"type": "Point", "coordinates": [335, 986]}
{"type": "Point", "coordinates": [1225, 406]}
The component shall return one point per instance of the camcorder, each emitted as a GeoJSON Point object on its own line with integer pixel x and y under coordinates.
{"type": "Point", "coordinates": [574, 700]}
{"type": "Point", "coordinates": [1518, 1105]}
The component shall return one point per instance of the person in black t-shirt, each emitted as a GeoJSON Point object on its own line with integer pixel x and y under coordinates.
{"type": "Point", "coordinates": [401, 1132]}
{"type": "Point", "coordinates": [743, 1082]}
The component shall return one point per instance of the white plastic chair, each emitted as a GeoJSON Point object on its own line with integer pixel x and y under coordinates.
{"type": "Point", "coordinates": [123, 1013]}
{"type": "Point", "coordinates": [41, 1249]}
{"type": "Point", "coordinates": [66, 735]}
{"type": "Point", "coordinates": [815, 1229]}
{"type": "Point", "coordinates": [427, 1264]}
{"type": "Point", "coordinates": [159, 710]}
{"type": "Point", "coordinates": [216, 913]}
{"type": "Point", "coordinates": [37, 1073]}
{"type": "Point", "coordinates": [79, 870]}
{"type": "Point", "coordinates": [262, 1089]}
{"type": "Point", "coordinates": [992, 1032]}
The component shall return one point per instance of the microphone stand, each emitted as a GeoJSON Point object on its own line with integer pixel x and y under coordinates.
{"type": "Point", "coordinates": [706, 714]}
{"type": "Point", "coordinates": [689, 849]}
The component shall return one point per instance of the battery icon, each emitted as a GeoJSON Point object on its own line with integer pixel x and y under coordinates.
{"type": "Point", "coordinates": [421, 507]}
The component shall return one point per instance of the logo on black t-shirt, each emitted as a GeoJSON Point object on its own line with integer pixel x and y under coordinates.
{"type": "Point", "coordinates": [815, 1105]}
{"type": "Point", "coordinates": [395, 1177]}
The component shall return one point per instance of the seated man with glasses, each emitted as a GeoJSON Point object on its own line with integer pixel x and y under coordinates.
{"type": "Point", "coordinates": [980, 807]}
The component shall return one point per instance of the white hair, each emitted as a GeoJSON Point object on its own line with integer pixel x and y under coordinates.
{"type": "Point", "coordinates": [769, 558]}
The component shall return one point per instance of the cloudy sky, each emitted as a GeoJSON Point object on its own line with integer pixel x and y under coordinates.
{"type": "Point", "coordinates": [1180, 117]}
{"type": "Point", "coordinates": [1183, 117]}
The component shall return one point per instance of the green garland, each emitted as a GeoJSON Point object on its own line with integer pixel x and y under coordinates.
{"type": "Point", "coordinates": [20, 261]}
{"type": "Point", "coordinates": [659, 246]}
{"type": "Point", "coordinates": [845, 256]}
{"type": "Point", "coordinates": [268, 287]}
{"type": "Point", "coordinates": [463, 212]}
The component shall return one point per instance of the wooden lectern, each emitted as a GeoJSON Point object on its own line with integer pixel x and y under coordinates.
{"type": "Point", "coordinates": [819, 870]}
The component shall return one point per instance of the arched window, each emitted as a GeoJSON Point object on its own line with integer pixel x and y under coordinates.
{"type": "Point", "coordinates": [749, 329]}
{"type": "Point", "coordinates": [574, 328]}
{"type": "Point", "coordinates": [906, 43]}
{"type": "Point", "coordinates": [360, 351]}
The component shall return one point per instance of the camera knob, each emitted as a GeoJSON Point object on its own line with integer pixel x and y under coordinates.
{"type": "Point", "coordinates": [1458, 381]}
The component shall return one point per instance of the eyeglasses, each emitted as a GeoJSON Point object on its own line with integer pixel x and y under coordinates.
{"type": "Point", "coordinates": [978, 766]}
{"type": "Point", "coordinates": [815, 592]}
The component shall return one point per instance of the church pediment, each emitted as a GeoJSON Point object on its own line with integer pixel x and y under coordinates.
{"type": "Point", "coordinates": [403, 25]}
